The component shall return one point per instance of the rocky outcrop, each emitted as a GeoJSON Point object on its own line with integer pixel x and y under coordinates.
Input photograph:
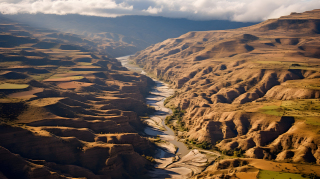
{"type": "Point", "coordinates": [91, 158]}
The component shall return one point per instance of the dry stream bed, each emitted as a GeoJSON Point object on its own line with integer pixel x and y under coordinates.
{"type": "Point", "coordinates": [174, 159]}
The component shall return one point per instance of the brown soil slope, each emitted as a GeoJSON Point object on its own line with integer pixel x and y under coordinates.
{"type": "Point", "coordinates": [68, 112]}
{"type": "Point", "coordinates": [257, 168]}
{"type": "Point", "coordinates": [255, 88]}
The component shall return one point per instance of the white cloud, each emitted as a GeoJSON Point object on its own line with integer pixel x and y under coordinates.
{"type": "Point", "coordinates": [153, 10]}
{"type": "Point", "coordinates": [236, 10]}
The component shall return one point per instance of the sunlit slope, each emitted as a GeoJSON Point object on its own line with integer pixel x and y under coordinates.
{"type": "Point", "coordinates": [255, 88]}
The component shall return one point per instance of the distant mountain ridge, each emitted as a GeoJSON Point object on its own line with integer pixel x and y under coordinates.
{"type": "Point", "coordinates": [135, 32]}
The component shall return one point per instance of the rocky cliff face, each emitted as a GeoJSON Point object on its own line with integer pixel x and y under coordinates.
{"type": "Point", "coordinates": [66, 111]}
{"type": "Point", "coordinates": [254, 88]}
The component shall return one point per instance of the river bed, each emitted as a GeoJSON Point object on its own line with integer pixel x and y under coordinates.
{"type": "Point", "coordinates": [156, 99]}
{"type": "Point", "coordinates": [174, 159]}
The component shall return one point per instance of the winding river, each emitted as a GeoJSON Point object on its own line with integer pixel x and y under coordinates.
{"type": "Point", "coordinates": [174, 159]}
{"type": "Point", "coordinates": [156, 99]}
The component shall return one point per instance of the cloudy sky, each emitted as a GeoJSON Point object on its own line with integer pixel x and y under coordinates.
{"type": "Point", "coordinates": [235, 10]}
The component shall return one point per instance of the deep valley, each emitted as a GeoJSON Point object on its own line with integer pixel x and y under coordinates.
{"type": "Point", "coordinates": [227, 103]}
{"type": "Point", "coordinates": [252, 92]}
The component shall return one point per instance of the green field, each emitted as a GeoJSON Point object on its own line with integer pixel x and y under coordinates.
{"type": "Point", "coordinates": [272, 110]}
{"type": "Point", "coordinates": [302, 105]}
{"type": "Point", "coordinates": [40, 77]}
{"type": "Point", "coordinates": [313, 120]}
{"type": "Point", "coordinates": [9, 86]}
{"type": "Point", "coordinates": [266, 174]}
{"type": "Point", "coordinates": [306, 109]}
{"type": "Point", "coordinates": [312, 84]}
{"type": "Point", "coordinates": [84, 63]}
{"type": "Point", "coordinates": [69, 77]}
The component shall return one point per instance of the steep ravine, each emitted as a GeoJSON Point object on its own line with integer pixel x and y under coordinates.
{"type": "Point", "coordinates": [174, 159]}
{"type": "Point", "coordinates": [253, 90]}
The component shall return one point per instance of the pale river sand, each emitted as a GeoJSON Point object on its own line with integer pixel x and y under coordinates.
{"type": "Point", "coordinates": [156, 99]}
{"type": "Point", "coordinates": [172, 163]}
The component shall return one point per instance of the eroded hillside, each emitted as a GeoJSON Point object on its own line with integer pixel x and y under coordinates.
{"type": "Point", "coordinates": [255, 89]}
{"type": "Point", "coordinates": [67, 111]}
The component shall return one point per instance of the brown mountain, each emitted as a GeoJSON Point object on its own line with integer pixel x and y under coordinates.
{"type": "Point", "coordinates": [123, 35]}
{"type": "Point", "coordinates": [255, 89]}
{"type": "Point", "coordinates": [66, 110]}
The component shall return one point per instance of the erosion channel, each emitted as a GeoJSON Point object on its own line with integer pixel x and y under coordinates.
{"type": "Point", "coordinates": [174, 159]}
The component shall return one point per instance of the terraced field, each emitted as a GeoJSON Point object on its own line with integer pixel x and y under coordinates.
{"type": "Point", "coordinates": [68, 112]}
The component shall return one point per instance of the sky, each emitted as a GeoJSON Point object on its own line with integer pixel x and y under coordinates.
{"type": "Point", "coordinates": [234, 10]}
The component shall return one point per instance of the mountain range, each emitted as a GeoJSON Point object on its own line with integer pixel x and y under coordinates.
{"type": "Point", "coordinates": [123, 35]}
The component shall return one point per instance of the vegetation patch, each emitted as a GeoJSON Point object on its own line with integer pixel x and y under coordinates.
{"type": "Point", "coordinates": [61, 78]}
{"type": "Point", "coordinates": [176, 116]}
{"type": "Point", "coordinates": [272, 110]}
{"type": "Point", "coordinates": [166, 101]}
{"type": "Point", "coordinates": [313, 84]}
{"type": "Point", "coordinates": [40, 77]}
{"type": "Point", "coordinates": [267, 174]}
{"type": "Point", "coordinates": [307, 110]}
{"type": "Point", "coordinates": [236, 153]}
{"type": "Point", "coordinates": [150, 158]}
{"type": "Point", "coordinates": [70, 77]}
{"type": "Point", "coordinates": [84, 64]}
{"type": "Point", "coordinates": [8, 86]}
{"type": "Point", "coordinates": [202, 145]}
{"type": "Point", "coordinates": [302, 105]}
{"type": "Point", "coordinates": [315, 121]}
